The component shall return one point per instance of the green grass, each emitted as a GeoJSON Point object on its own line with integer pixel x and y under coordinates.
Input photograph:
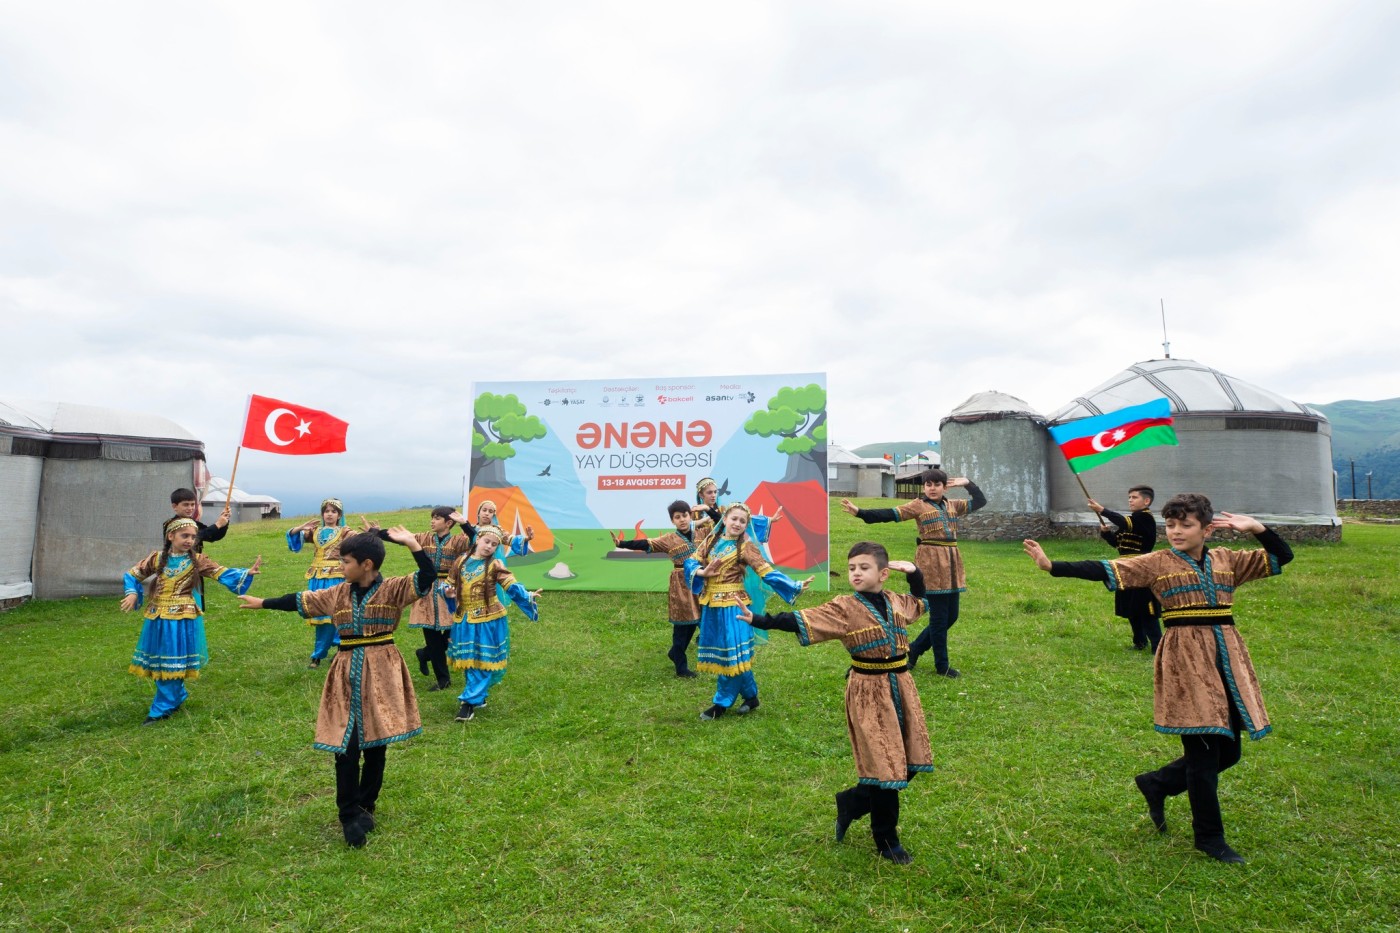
{"type": "Point", "coordinates": [588, 795]}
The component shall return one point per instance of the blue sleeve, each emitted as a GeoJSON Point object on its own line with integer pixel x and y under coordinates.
{"type": "Point", "coordinates": [519, 545]}
{"type": "Point", "coordinates": [236, 581]}
{"type": "Point", "coordinates": [692, 580]}
{"type": "Point", "coordinates": [760, 526]}
{"type": "Point", "coordinates": [521, 597]}
{"type": "Point", "coordinates": [132, 585]}
{"type": "Point", "coordinates": [783, 585]}
{"type": "Point", "coordinates": [294, 541]}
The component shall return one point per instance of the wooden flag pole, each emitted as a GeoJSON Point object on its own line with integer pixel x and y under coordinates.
{"type": "Point", "coordinates": [1080, 480]}
{"type": "Point", "coordinates": [234, 475]}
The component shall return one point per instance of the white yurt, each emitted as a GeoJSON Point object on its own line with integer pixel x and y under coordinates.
{"type": "Point", "coordinates": [83, 493]}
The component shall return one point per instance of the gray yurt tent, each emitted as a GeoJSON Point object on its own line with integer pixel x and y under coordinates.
{"type": "Point", "coordinates": [998, 441]}
{"type": "Point", "coordinates": [1250, 450]}
{"type": "Point", "coordinates": [83, 491]}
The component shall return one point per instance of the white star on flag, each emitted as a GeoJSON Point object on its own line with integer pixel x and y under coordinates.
{"type": "Point", "coordinates": [305, 428]}
{"type": "Point", "coordinates": [1119, 434]}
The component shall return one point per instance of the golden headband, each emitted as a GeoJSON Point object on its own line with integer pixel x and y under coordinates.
{"type": "Point", "coordinates": [175, 524]}
{"type": "Point", "coordinates": [333, 503]}
{"type": "Point", "coordinates": [483, 504]}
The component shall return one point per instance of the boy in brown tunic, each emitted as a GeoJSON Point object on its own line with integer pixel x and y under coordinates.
{"type": "Point", "coordinates": [1204, 687]}
{"type": "Point", "coordinates": [884, 719]}
{"type": "Point", "coordinates": [937, 556]}
{"type": "Point", "coordinates": [367, 702]}
{"type": "Point", "coordinates": [683, 607]}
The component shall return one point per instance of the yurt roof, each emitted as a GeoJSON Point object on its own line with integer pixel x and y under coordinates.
{"type": "Point", "coordinates": [990, 406]}
{"type": "Point", "coordinates": [218, 490]}
{"type": "Point", "coordinates": [1191, 387]}
{"type": "Point", "coordinates": [836, 454]}
{"type": "Point", "coordinates": [66, 420]}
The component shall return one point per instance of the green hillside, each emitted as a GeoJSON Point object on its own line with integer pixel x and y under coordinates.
{"type": "Point", "coordinates": [1369, 434]}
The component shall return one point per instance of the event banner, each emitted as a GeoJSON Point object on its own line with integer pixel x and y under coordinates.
{"type": "Point", "coordinates": [578, 462]}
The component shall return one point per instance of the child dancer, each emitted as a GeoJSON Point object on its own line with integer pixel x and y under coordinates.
{"type": "Point", "coordinates": [486, 517]}
{"type": "Point", "coordinates": [716, 575]}
{"type": "Point", "coordinates": [1204, 687]}
{"type": "Point", "coordinates": [884, 719]}
{"type": "Point", "coordinates": [431, 614]}
{"type": "Point", "coordinates": [937, 556]}
{"type": "Point", "coordinates": [1134, 533]}
{"type": "Point", "coordinates": [480, 643]}
{"type": "Point", "coordinates": [325, 537]}
{"type": "Point", "coordinates": [681, 603]}
{"type": "Point", "coordinates": [367, 702]}
{"type": "Point", "coordinates": [172, 649]}
{"type": "Point", "coordinates": [185, 504]}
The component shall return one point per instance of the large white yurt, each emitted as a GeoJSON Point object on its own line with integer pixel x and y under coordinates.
{"type": "Point", "coordinates": [1247, 448]}
{"type": "Point", "coordinates": [83, 493]}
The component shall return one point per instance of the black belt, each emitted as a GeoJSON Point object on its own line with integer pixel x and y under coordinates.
{"type": "Point", "coordinates": [895, 665]}
{"type": "Point", "coordinates": [1212, 616]}
{"type": "Point", "coordinates": [386, 639]}
{"type": "Point", "coordinates": [942, 542]}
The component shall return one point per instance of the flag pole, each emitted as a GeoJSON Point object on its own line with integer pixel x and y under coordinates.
{"type": "Point", "coordinates": [233, 475]}
{"type": "Point", "coordinates": [1080, 480]}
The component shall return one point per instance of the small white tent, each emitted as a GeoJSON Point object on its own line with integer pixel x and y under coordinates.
{"type": "Point", "coordinates": [243, 506]}
{"type": "Point", "coordinates": [83, 492]}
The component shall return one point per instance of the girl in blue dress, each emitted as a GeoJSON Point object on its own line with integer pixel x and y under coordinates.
{"type": "Point", "coordinates": [172, 648]}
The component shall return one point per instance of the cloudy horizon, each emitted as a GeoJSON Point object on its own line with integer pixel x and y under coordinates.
{"type": "Point", "coordinates": [365, 210]}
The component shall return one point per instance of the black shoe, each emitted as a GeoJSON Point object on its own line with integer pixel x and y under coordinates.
{"type": "Point", "coordinates": [748, 706]}
{"type": "Point", "coordinates": [366, 821]}
{"type": "Point", "coordinates": [951, 673]}
{"type": "Point", "coordinates": [1138, 647]}
{"type": "Point", "coordinates": [443, 684]}
{"type": "Point", "coordinates": [896, 854]}
{"type": "Point", "coordinates": [422, 655]}
{"type": "Point", "coordinates": [843, 819]}
{"type": "Point", "coordinates": [1156, 800]}
{"type": "Point", "coordinates": [686, 674]}
{"type": "Point", "coordinates": [466, 712]}
{"type": "Point", "coordinates": [354, 830]}
{"type": "Point", "coordinates": [150, 719]}
{"type": "Point", "coordinates": [1221, 852]}
{"type": "Point", "coordinates": [714, 712]}
{"type": "Point", "coordinates": [315, 662]}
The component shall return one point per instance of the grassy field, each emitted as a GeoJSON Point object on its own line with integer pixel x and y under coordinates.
{"type": "Point", "coordinates": [589, 796]}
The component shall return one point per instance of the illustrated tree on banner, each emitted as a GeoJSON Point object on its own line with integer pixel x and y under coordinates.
{"type": "Point", "coordinates": [797, 415]}
{"type": "Point", "coordinates": [497, 422]}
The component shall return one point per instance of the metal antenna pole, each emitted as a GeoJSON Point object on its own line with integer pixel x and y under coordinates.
{"type": "Point", "coordinates": [1166, 344]}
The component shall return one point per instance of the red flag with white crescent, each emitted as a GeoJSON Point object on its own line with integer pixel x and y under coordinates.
{"type": "Point", "coordinates": [284, 428]}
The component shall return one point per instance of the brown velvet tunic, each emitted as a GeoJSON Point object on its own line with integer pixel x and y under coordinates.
{"type": "Point", "coordinates": [367, 687]}
{"type": "Point", "coordinates": [884, 718]}
{"type": "Point", "coordinates": [1202, 666]}
{"type": "Point", "coordinates": [681, 604]}
{"type": "Point", "coordinates": [937, 555]}
{"type": "Point", "coordinates": [431, 611]}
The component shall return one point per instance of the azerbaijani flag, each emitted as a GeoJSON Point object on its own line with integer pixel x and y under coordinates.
{"type": "Point", "coordinates": [1090, 442]}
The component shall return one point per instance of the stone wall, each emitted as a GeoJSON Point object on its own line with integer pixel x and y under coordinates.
{"type": "Point", "coordinates": [1377, 508]}
{"type": "Point", "coordinates": [1003, 526]}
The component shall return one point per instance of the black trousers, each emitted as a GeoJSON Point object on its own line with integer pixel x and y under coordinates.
{"type": "Point", "coordinates": [680, 643]}
{"type": "Point", "coordinates": [435, 643]}
{"type": "Point", "coordinates": [1197, 773]}
{"type": "Point", "coordinates": [1146, 630]}
{"type": "Point", "coordinates": [881, 804]}
{"type": "Point", "coordinates": [942, 613]}
{"type": "Point", "coordinates": [357, 789]}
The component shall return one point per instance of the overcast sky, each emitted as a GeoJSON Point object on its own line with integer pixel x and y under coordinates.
{"type": "Point", "coordinates": [363, 207]}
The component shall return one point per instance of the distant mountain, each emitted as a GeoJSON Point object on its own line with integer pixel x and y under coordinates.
{"type": "Point", "coordinates": [1369, 434]}
{"type": "Point", "coordinates": [898, 449]}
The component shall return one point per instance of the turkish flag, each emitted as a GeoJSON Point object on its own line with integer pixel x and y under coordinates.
{"type": "Point", "coordinates": [283, 428]}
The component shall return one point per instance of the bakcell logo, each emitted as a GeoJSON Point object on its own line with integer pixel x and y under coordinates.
{"type": "Point", "coordinates": [663, 399]}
